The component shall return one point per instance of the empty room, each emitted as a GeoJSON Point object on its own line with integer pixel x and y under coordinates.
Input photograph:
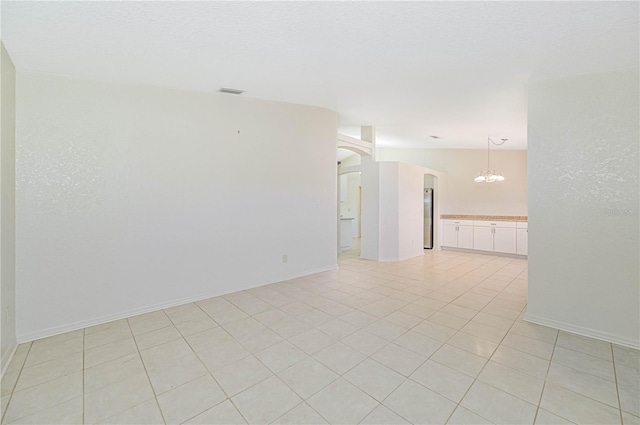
{"type": "Point", "coordinates": [318, 212]}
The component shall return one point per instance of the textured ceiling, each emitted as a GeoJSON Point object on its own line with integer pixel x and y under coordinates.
{"type": "Point", "coordinates": [458, 70]}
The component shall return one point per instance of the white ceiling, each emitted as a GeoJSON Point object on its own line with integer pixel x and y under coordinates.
{"type": "Point", "coordinates": [458, 70]}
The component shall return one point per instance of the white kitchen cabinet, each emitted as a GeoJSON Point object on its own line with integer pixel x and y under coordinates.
{"type": "Point", "coordinates": [505, 237]}
{"type": "Point", "coordinates": [495, 236]}
{"type": "Point", "coordinates": [465, 236]}
{"type": "Point", "coordinates": [522, 238]}
{"type": "Point", "coordinates": [522, 241]}
{"type": "Point", "coordinates": [450, 235]}
{"type": "Point", "coordinates": [458, 234]}
{"type": "Point", "coordinates": [504, 240]}
{"type": "Point", "coordinates": [483, 238]}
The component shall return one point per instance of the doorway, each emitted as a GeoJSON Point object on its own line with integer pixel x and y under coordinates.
{"type": "Point", "coordinates": [349, 202]}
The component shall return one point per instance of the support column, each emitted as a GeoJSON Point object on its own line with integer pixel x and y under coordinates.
{"type": "Point", "coordinates": [368, 134]}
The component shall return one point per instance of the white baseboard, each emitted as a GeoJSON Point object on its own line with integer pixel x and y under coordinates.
{"type": "Point", "coordinates": [6, 359]}
{"type": "Point", "coordinates": [57, 330]}
{"type": "Point", "coordinates": [591, 333]}
{"type": "Point", "coordinates": [306, 273]}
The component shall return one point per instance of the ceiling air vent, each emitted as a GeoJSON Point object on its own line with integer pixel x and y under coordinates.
{"type": "Point", "coordinates": [230, 91]}
{"type": "Point", "coordinates": [435, 137]}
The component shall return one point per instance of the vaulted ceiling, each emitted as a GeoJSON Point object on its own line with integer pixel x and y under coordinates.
{"type": "Point", "coordinates": [456, 70]}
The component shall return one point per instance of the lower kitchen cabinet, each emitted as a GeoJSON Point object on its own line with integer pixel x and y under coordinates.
{"type": "Point", "coordinates": [450, 235]}
{"type": "Point", "coordinates": [458, 234]}
{"type": "Point", "coordinates": [506, 237]}
{"type": "Point", "coordinates": [495, 236]}
{"type": "Point", "coordinates": [483, 238]}
{"type": "Point", "coordinates": [504, 240]}
{"type": "Point", "coordinates": [465, 236]}
{"type": "Point", "coordinates": [522, 239]}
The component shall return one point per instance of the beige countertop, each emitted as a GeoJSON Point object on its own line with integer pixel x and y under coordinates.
{"type": "Point", "coordinates": [484, 217]}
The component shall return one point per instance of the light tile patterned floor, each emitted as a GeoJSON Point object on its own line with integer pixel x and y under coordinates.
{"type": "Point", "coordinates": [435, 339]}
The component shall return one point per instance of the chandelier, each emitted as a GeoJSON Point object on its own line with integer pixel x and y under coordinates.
{"type": "Point", "coordinates": [490, 175]}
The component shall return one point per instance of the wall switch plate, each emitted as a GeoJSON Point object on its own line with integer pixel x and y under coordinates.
{"type": "Point", "coordinates": [285, 258]}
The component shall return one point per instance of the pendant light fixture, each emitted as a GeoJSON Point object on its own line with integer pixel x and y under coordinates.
{"type": "Point", "coordinates": [490, 175]}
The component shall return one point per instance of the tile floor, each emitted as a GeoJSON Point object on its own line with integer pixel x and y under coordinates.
{"type": "Point", "coordinates": [435, 339]}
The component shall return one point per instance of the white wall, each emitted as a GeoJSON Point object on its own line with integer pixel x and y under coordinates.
{"type": "Point", "coordinates": [370, 227]}
{"type": "Point", "coordinates": [130, 198]}
{"type": "Point", "coordinates": [464, 196]}
{"type": "Point", "coordinates": [583, 210]}
{"type": "Point", "coordinates": [393, 213]}
{"type": "Point", "coordinates": [411, 211]}
{"type": "Point", "coordinates": [389, 211]}
{"type": "Point", "coordinates": [7, 210]}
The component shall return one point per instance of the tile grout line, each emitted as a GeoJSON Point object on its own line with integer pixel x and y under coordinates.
{"type": "Point", "coordinates": [15, 384]}
{"type": "Point", "coordinates": [155, 396]}
{"type": "Point", "coordinates": [480, 372]}
{"type": "Point", "coordinates": [544, 382]}
{"type": "Point", "coordinates": [583, 395]}
{"type": "Point", "coordinates": [570, 390]}
{"type": "Point", "coordinates": [304, 401]}
{"type": "Point", "coordinates": [213, 377]}
{"type": "Point", "coordinates": [615, 376]}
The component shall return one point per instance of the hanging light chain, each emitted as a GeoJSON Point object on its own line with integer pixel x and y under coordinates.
{"type": "Point", "coordinates": [490, 175]}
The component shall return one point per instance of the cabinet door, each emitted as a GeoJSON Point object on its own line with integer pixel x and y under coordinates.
{"type": "Point", "coordinates": [465, 237]}
{"type": "Point", "coordinates": [522, 243]}
{"type": "Point", "coordinates": [450, 236]}
{"type": "Point", "coordinates": [504, 240]}
{"type": "Point", "coordinates": [483, 238]}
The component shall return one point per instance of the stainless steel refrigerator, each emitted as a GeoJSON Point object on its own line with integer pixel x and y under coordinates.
{"type": "Point", "coordinates": [428, 218]}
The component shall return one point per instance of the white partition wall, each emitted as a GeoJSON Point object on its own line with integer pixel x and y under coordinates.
{"type": "Point", "coordinates": [583, 205]}
{"type": "Point", "coordinates": [7, 211]}
{"type": "Point", "coordinates": [370, 242]}
{"type": "Point", "coordinates": [131, 198]}
{"type": "Point", "coordinates": [392, 210]}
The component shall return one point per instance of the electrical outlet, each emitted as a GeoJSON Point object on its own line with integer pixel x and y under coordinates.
{"type": "Point", "coordinates": [285, 258]}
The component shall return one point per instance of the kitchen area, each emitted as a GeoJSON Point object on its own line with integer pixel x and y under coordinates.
{"type": "Point", "coordinates": [502, 235]}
